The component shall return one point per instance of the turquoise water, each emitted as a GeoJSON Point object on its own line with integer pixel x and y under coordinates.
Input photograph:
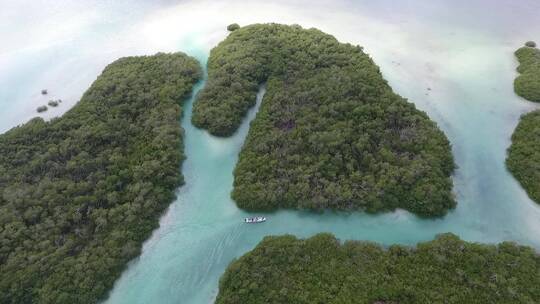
{"type": "Point", "coordinates": [459, 49]}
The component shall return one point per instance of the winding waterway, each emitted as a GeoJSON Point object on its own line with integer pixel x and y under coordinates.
{"type": "Point", "coordinates": [453, 59]}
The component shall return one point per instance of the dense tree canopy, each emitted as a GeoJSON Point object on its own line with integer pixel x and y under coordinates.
{"type": "Point", "coordinates": [79, 194]}
{"type": "Point", "coordinates": [330, 132]}
{"type": "Point", "coordinates": [524, 154]}
{"type": "Point", "coordinates": [233, 27]}
{"type": "Point", "coordinates": [527, 85]}
{"type": "Point", "coordinates": [321, 270]}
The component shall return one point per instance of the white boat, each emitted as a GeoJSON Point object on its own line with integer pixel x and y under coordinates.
{"type": "Point", "coordinates": [253, 220]}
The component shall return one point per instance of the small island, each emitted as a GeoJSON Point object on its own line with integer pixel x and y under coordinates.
{"type": "Point", "coordinates": [524, 154]}
{"type": "Point", "coordinates": [527, 84]}
{"type": "Point", "coordinates": [42, 109]}
{"type": "Point", "coordinates": [54, 103]}
{"type": "Point", "coordinates": [320, 269]}
{"type": "Point", "coordinates": [233, 27]}
{"type": "Point", "coordinates": [330, 133]}
{"type": "Point", "coordinates": [80, 193]}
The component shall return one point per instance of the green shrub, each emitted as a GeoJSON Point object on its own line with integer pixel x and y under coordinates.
{"type": "Point", "coordinates": [233, 27]}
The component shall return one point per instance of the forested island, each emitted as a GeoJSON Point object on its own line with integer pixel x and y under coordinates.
{"type": "Point", "coordinates": [527, 84]}
{"type": "Point", "coordinates": [524, 152]}
{"type": "Point", "coordinates": [322, 270]}
{"type": "Point", "coordinates": [330, 132]}
{"type": "Point", "coordinates": [79, 194]}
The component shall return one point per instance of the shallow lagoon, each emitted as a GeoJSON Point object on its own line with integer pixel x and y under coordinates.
{"type": "Point", "coordinates": [460, 50]}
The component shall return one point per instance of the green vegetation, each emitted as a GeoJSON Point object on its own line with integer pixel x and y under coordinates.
{"type": "Point", "coordinates": [527, 85]}
{"type": "Point", "coordinates": [330, 132]}
{"type": "Point", "coordinates": [41, 109]}
{"type": "Point", "coordinates": [321, 270]}
{"type": "Point", "coordinates": [79, 194]}
{"type": "Point", "coordinates": [524, 154]}
{"type": "Point", "coordinates": [523, 159]}
{"type": "Point", "coordinates": [233, 27]}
